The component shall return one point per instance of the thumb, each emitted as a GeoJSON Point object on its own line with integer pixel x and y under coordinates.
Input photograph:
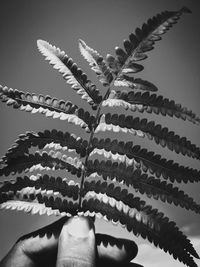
{"type": "Point", "coordinates": [76, 246]}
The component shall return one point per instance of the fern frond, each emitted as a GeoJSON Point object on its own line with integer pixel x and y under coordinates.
{"type": "Point", "coordinates": [143, 220]}
{"type": "Point", "coordinates": [97, 63]}
{"type": "Point", "coordinates": [140, 182]}
{"type": "Point", "coordinates": [135, 83]}
{"type": "Point", "coordinates": [142, 41]}
{"type": "Point", "coordinates": [70, 72]}
{"type": "Point", "coordinates": [51, 160]}
{"type": "Point", "coordinates": [143, 127]}
{"type": "Point", "coordinates": [149, 103]}
{"type": "Point", "coordinates": [146, 160]}
{"type": "Point", "coordinates": [108, 168]}
{"type": "Point", "coordinates": [54, 139]}
{"type": "Point", "coordinates": [50, 107]}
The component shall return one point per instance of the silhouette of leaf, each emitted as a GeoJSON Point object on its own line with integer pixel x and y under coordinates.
{"type": "Point", "coordinates": [134, 155]}
{"type": "Point", "coordinates": [136, 84]}
{"type": "Point", "coordinates": [142, 41]}
{"type": "Point", "coordinates": [29, 187]}
{"type": "Point", "coordinates": [70, 72]}
{"type": "Point", "coordinates": [97, 63]}
{"type": "Point", "coordinates": [140, 182]}
{"type": "Point", "coordinates": [142, 128]}
{"type": "Point", "coordinates": [40, 194]}
{"type": "Point", "coordinates": [50, 107]}
{"type": "Point", "coordinates": [51, 160]}
{"type": "Point", "coordinates": [42, 205]}
{"type": "Point", "coordinates": [149, 103]}
{"type": "Point", "coordinates": [51, 139]}
{"type": "Point", "coordinates": [132, 68]}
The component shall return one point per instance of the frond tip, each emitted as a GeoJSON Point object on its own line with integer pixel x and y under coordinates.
{"type": "Point", "coordinates": [97, 63]}
{"type": "Point", "coordinates": [142, 41]}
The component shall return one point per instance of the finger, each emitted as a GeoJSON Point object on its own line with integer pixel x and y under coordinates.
{"type": "Point", "coordinates": [113, 251]}
{"type": "Point", "coordinates": [38, 248]}
{"type": "Point", "coordinates": [46, 237]}
{"type": "Point", "coordinates": [76, 246]}
{"type": "Point", "coordinates": [41, 245]}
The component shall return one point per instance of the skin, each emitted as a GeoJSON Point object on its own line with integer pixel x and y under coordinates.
{"type": "Point", "coordinates": [70, 243]}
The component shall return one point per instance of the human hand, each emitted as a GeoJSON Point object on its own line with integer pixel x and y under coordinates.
{"type": "Point", "coordinates": [67, 243]}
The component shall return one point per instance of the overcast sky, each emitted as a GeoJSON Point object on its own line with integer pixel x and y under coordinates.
{"type": "Point", "coordinates": [173, 66]}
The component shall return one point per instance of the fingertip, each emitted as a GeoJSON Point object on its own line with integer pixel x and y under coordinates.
{"type": "Point", "coordinates": [79, 226]}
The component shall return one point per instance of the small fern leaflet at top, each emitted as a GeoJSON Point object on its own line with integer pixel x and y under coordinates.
{"type": "Point", "coordinates": [103, 174]}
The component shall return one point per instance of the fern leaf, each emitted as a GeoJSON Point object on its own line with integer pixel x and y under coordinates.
{"type": "Point", "coordinates": [55, 139]}
{"type": "Point", "coordinates": [150, 103]}
{"type": "Point", "coordinates": [140, 158]}
{"type": "Point", "coordinates": [142, 128]}
{"type": "Point", "coordinates": [40, 194]}
{"type": "Point", "coordinates": [29, 207]}
{"type": "Point", "coordinates": [142, 41]}
{"type": "Point", "coordinates": [136, 84]}
{"type": "Point", "coordinates": [144, 184]}
{"type": "Point", "coordinates": [47, 105]}
{"type": "Point", "coordinates": [70, 72]}
{"type": "Point", "coordinates": [43, 205]}
{"type": "Point", "coordinates": [113, 103]}
{"type": "Point", "coordinates": [171, 171]}
{"type": "Point", "coordinates": [51, 160]}
{"type": "Point", "coordinates": [103, 126]}
{"type": "Point", "coordinates": [44, 185]}
{"type": "Point", "coordinates": [143, 220]}
{"type": "Point", "coordinates": [97, 63]}
{"type": "Point", "coordinates": [132, 68]}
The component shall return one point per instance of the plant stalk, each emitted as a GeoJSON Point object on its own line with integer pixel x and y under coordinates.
{"type": "Point", "coordinates": [89, 146]}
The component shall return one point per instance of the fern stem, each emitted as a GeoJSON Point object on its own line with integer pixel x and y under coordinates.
{"type": "Point", "coordinates": [83, 174]}
{"type": "Point", "coordinates": [89, 146]}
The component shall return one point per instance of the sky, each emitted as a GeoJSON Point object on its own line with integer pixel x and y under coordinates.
{"type": "Point", "coordinates": [173, 66]}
